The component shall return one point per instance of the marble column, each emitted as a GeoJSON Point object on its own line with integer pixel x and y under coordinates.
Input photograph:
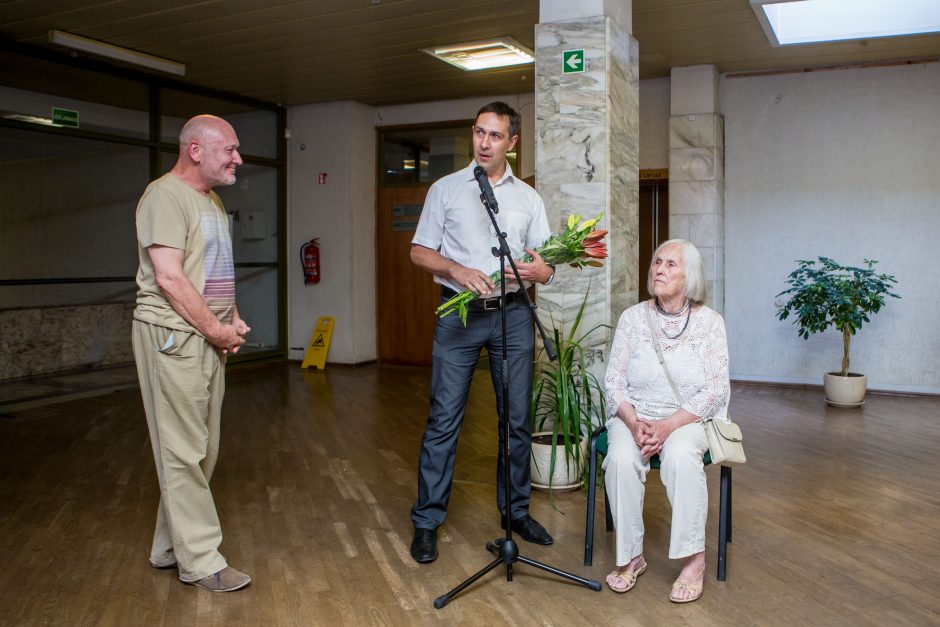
{"type": "Point", "coordinates": [587, 163]}
{"type": "Point", "coordinates": [696, 171]}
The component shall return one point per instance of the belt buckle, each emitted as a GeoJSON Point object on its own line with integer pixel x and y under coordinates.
{"type": "Point", "coordinates": [490, 301]}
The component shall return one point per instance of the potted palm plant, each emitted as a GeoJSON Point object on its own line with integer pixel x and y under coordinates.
{"type": "Point", "coordinates": [824, 293]}
{"type": "Point", "coordinates": [567, 404]}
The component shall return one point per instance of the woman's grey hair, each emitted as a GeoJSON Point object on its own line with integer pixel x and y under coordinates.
{"type": "Point", "coordinates": [695, 286]}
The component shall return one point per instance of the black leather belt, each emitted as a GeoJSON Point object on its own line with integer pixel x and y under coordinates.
{"type": "Point", "coordinates": [482, 304]}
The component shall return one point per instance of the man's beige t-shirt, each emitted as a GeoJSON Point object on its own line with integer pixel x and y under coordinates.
{"type": "Point", "coordinates": [171, 213]}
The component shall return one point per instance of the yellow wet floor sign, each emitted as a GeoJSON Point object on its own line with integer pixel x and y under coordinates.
{"type": "Point", "coordinates": [319, 343]}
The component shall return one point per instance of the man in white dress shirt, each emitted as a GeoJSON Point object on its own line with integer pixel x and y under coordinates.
{"type": "Point", "coordinates": [454, 242]}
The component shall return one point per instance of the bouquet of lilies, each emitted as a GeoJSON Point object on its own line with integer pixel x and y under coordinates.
{"type": "Point", "coordinates": [579, 245]}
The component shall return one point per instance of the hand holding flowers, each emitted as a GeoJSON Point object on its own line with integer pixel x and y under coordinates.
{"type": "Point", "coordinates": [578, 245]}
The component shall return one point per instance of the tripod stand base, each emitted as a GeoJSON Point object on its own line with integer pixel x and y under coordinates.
{"type": "Point", "coordinates": [507, 553]}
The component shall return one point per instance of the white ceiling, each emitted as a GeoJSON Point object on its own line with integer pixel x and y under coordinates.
{"type": "Point", "coordinates": [302, 51]}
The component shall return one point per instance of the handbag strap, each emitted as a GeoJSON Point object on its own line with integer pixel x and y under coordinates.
{"type": "Point", "coordinates": [659, 354]}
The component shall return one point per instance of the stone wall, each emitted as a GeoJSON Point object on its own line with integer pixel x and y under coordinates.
{"type": "Point", "coordinates": [45, 340]}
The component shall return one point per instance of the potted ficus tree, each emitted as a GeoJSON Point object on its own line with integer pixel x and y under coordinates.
{"type": "Point", "coordinates": [824, 293]}
{"type": "Point", "coordinates": [567, 404]}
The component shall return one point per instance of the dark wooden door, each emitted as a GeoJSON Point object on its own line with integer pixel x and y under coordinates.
{"type": "Point", "coordinates": [406, 295]}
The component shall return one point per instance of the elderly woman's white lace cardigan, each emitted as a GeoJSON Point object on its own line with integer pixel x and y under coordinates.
{"type": "Point", "coordinates": [697, 361]}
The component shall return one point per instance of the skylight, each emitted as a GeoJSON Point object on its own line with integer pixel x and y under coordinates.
{"type": "Point", "coordinates": [790, 22]}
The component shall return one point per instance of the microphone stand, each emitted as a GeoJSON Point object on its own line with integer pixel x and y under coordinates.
{"type": "Point", "coordinates": [505, 548]}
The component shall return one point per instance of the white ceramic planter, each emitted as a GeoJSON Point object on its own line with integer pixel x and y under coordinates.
{"type": "Point", "coordinates": [845, 391]}
{"type": "Point", "coordinates": [566, 475]}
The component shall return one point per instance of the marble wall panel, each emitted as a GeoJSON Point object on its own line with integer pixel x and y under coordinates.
{"type": "Point", "coordinates": [579, 99]}
{"type": "Point", "coordinates": [587, 199]}
{"type": "Point", "coordinates": [719, 263]}
{"type": "Point", "coordinates": [720, 152]}
{"type": "Point", "coordinates": [590, 194]}
{"type": "Point", "coordinates": [696, 191]}
{"type": "Point", "coordinates": [691, 197]}
{"type": "Point", "coordinates": [581, 153]}
{"type": "Point", "coordinates": [551, 196]}
{"type": "Point", "coordinates": [720, 164]}
{"type": "Point", "coordinates": [587, 160]}
{"type": "Point", "coordinates": [703, 229]}
{"type": "Point", "coordinates": [692, 164]}
{"type": "Point", "coordinates": [679, 226]}
{"type": "Point", "coordinates": [569, 98]}
{"type": "Point", "coordinates": [692, 131]}
{"type": "Point", "coordinates": [716, 295]}
{"type": "Point", "coordinates": [624, 101]}
{"type": "Point", "coordinates": [708, 261]}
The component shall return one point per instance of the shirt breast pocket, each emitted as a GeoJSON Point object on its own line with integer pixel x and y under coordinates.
{"type": "Point", "coordinates": [516, 225]}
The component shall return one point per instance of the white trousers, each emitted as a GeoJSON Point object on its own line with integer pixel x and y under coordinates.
{"type": "Point", "coordinates": [682, 472]}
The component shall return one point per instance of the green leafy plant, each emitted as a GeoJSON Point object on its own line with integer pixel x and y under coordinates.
{"type": "Point", "coordinates": [566, 396]}
{"type": "Point", "coordinates": [825, 293]}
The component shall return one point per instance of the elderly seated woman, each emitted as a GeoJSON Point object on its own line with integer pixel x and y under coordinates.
{"type": "Point", "coordinates": [647, 417]}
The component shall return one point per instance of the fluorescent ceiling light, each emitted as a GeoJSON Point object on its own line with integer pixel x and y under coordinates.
{"type": "Point", "coordinates": [32, 119]}
{"type": "Point", "coordinates": [789, 22]}
{"type": "Point", "coordinates": [110, 51]}
{"type": "Point", "coordinates": [483, 55]}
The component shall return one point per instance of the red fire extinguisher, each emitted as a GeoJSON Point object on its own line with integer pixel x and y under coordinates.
{"type": "Point", "coordinates": [310, 259]}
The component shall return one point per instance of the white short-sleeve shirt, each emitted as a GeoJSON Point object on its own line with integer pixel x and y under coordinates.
{"type": "Point", "coordinates": [455, 223]}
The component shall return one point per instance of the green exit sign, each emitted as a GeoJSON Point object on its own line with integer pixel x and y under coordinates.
{"type": "Point", "coordinates": [572, 61]}
{"type": "Point", "coordinates": [64, 117]}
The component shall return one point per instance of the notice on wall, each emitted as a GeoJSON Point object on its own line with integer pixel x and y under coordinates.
{"type": "Point", "coordinates": [413, 212]}
{"type": "Point", "coordinates": [406, 210]}
{"type": "Point", "coordinates": [654, 174]}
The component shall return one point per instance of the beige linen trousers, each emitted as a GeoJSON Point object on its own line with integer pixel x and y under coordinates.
{"type": "Point", "coordinates": [182, 382]}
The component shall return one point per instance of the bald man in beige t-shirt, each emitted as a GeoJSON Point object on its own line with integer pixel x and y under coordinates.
{"type": "Point", "coordinates": [185, 324]}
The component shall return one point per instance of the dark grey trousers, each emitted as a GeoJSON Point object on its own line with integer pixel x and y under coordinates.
{"type": "Point", "coordinates": [455, 355]}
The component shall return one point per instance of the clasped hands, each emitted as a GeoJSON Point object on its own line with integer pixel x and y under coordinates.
{"type": "Point", "coordinates": [650, 435]}
{"type": "Point", "coordinates": [232, 336]}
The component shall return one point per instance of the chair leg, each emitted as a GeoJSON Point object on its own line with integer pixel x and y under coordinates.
{"type": "Point", "coordinates": [730, 507]}
{"type": "Point", "coordinates": [724, 522]}
{"type": "Point", "coordinates": [589, 524]}
{"type": "Point", "coordinates": [607, 512]}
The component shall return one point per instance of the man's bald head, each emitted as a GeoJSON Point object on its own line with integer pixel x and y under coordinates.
{"type": "Point", "coordinates": [196, 128]}
{"type": "Point", "coordinates": [208, 153]}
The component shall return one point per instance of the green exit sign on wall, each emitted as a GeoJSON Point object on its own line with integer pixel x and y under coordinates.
{"type": "Point", "coordinates": [572, 61]}
{"type": "Point", "coordinates": [64, 117]}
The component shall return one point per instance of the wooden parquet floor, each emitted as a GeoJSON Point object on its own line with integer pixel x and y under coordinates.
{"type": "Point", "coordinates": [835, 522]}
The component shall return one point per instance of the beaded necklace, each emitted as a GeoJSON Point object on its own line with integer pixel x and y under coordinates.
{"type": "Point", "coordinates": [688, 306]}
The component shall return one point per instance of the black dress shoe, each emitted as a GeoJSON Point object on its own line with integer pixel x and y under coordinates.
{"type": "Point", "coordinates": [424, 545]}
{"type": "Point", "coordinates": [530, 530]}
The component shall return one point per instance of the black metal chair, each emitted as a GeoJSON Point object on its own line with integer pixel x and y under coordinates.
{"type": "Point", "coordinates": [599, 447]}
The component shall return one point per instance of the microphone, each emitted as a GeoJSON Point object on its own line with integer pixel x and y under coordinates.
{"type": "Point", "coordinates": [485, 190]}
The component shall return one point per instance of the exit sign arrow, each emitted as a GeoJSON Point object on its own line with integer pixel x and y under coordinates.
{"type": "Point", "coordinates": [572, 61]}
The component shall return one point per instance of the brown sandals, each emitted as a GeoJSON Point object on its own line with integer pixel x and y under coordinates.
{"type": "Point", "coordinates": [682, 585]}
{"type": "Point", "coordinates": [621, 581]}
